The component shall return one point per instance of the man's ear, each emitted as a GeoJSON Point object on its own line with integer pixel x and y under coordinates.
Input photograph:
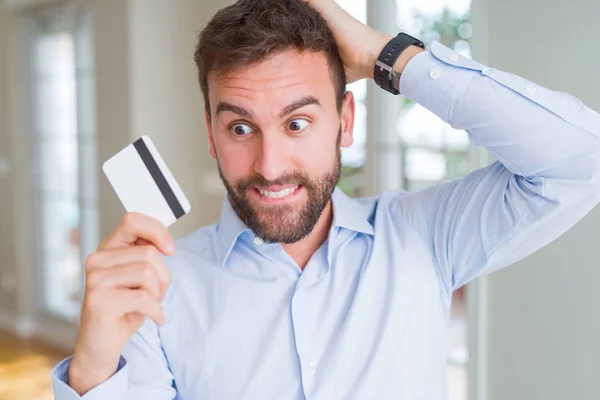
{"type": "Point", "coordinates": [211, 142]}
{"type": "Point", "coordinates": [347, 118]}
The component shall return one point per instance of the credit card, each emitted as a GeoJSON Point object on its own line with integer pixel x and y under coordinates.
{"type": "Point", "coordinates": [144, 183]}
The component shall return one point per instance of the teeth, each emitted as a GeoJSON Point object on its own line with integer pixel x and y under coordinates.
{"type": "Point", "coordinates": [278, 195]}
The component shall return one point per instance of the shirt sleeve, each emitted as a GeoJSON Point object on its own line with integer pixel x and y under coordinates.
{"type": "Point", "coordinates": [546, 177]}
{"type": "Point", "coordinates": [114, 388]}
{"type": "Point", "coordinates": [143, 372]}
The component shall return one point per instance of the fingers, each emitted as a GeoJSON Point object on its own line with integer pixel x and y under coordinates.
{"type": "Point", "coordinates": [146, 258]}
{"type": "Point", "coordinates": [116, 303]}
{"type": "Point", "coordinates": [124, 289]}
{"type": "Point", "coordinates": [138, 275]}
{"type": "Point", "coordinates": [136, 226]}
{"type": "Point", "coordinates": [139, 301]}
{"type": "Point", "coordinates": [141, 242]}
{"type": "Point", "coordinates": [327, 8]}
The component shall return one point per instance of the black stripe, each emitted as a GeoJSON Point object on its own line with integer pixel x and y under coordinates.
{"type": "Point", "coordinates": [159, 178]}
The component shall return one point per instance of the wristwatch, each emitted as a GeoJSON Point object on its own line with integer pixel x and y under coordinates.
{"type": "Point", "coordinates": [384, 73]}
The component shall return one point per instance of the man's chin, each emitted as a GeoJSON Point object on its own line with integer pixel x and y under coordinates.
{"type": "Point", "coordinates": [283, 226]}
{"type": "Point", "coordinates": [281, 222]}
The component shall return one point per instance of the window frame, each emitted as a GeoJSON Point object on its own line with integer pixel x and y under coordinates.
{"type": "Point", "coordinates": [48, 325]}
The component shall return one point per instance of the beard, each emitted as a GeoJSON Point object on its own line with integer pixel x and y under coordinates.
{"type": "Point", "coordinates": [284, 223]}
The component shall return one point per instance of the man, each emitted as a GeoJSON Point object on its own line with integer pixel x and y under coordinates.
{"type": "Point", "coordinates": [300, 292]}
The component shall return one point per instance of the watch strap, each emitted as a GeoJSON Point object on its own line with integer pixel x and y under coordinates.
{"type": "Point", "coordinates": [383, 70]}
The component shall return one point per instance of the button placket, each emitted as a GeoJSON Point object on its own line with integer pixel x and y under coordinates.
{"type": "Point", "coordinates": [308, 363]}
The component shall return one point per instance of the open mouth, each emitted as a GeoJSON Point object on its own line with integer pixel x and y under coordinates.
{"type": "Point", "coordinates": [277, 194]}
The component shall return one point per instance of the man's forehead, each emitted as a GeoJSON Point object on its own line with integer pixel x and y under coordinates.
{"type": "Point", "coordinates": [288, 71]}
{"type": "Point", "coordinates": [279, 64]}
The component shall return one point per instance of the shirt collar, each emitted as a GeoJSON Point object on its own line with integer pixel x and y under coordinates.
{"type": "Point", "coordinates": [229, 228]}
{"type": "Point", "coordinates": [351, 214]}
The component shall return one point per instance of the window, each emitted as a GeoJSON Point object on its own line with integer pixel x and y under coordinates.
{"type": "Point", "coordinates": [432, 150]}
{"type": "Point", "coordinates": [65, 152]}
{"type": "Point", "coordinates": [353, 157]}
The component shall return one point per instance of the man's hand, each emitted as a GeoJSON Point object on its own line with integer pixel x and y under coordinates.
{"type": "Point", "coordinates": [359, 45]}
{"type": "Point", "coordinates": [126, 279]}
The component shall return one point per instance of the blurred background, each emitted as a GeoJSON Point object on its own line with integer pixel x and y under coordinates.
{"type": "Point", "coordinates": [81, 79]}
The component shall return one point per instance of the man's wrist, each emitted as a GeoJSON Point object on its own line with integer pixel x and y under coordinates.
{"type": "Point", "coordinates": [83, 378]}
{"type": "Point", "coordinates": [399, 65]}
{"type": "Point", "coordinates": [377, 48]}
{"type": "Point", "coordinates": [405, 57]}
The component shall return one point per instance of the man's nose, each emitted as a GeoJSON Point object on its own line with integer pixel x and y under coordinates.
{"type": "Point", "coordinates": [271, 161]}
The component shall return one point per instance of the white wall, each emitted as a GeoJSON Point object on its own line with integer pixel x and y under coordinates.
{"type": "Point", "coordinates": [166, 99]}
{"type": "Point", "coordinates": [147, 85]}
{"type": "Point", "coordinates": [6, 198]}
{"type": "Point", "coordinates": [543, 320]}
{"type": "Point", "coordinates": [15, 304]}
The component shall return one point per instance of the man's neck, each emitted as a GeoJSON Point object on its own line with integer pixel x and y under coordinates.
{"type": "Point", "coordinates": [303, 250]}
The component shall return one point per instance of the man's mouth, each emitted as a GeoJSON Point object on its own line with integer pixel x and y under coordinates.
{"type": "Point", "coordinates": [275, 194]}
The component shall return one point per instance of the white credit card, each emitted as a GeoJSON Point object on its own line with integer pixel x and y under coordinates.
{"type": "Point", "coordinates": [144, 183]}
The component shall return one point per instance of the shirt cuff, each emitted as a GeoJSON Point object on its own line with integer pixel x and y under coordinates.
{"type": "Point", "coordinates": [436, 78]}
{"type": "Point", "coordinates": [114, 388]}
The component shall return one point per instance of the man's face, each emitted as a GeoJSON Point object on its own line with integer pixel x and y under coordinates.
{"type": "Point", "coordinates": [275, 131]}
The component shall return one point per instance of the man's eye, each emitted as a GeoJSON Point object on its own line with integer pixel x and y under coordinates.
{"type": "Point", "coordinates": [241, 129]}
{"type": "Point", "coordinates": [297, 125]}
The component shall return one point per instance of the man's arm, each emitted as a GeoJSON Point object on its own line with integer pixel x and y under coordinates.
{"type": "Point", "coordinates": [126, 282]}
{"type": "Point", "coordinates": [547, 176]}
{"type": "Point", "coordinates": [143, 372]}
{"type": "Point", "coordinates": [358, 44]}
{"type": "Point", "coordinates": [547, 144]}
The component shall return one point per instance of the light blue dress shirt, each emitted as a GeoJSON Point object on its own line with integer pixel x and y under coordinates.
{"type": "Point", "coordinates": [367, 318]}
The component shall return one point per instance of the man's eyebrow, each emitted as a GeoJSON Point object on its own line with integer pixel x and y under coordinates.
{"type": "Point", "coordinates": [305, 101]}
{"type": "Point", "coordinates": [224, 106]}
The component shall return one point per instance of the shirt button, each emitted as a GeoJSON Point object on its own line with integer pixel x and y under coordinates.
{"type": "Point", "coordinates": [531, 89]}
{"type": "Point", "coordinates": [258, 241]}
{"type": "Point", "coordinates": [312, 364]}
{"type": "Point", "coordinates": [453, 57]}
{"type": "Point", "coordinates": [434, 74]}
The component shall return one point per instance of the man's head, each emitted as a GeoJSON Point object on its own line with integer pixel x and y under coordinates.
{"type": "Point", "coordinates": [277, 112]}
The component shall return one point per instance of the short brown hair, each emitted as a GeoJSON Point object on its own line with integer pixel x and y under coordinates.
{"type": "Point", "coordinates": [249, 31]}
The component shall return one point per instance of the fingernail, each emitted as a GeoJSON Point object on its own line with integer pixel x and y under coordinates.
{"type": "Point", "coordinates": [170, 246]}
